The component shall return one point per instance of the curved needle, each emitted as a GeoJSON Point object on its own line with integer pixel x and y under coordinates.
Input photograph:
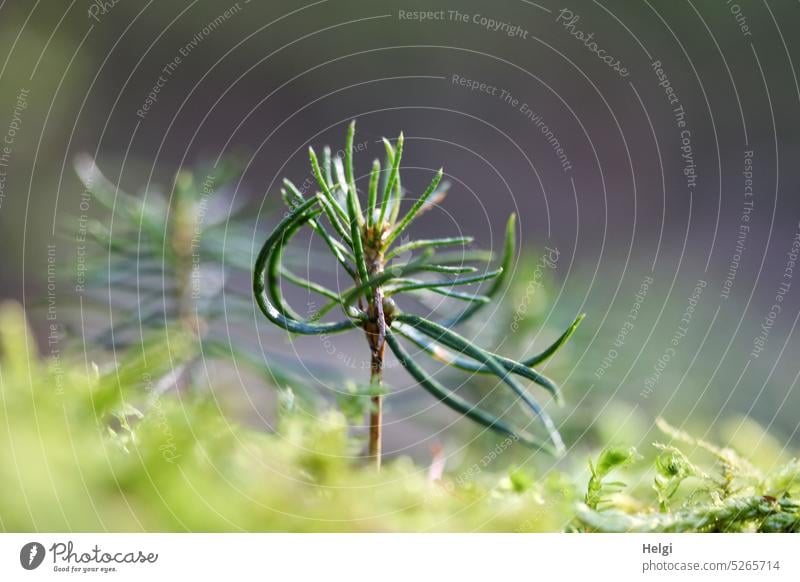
{"type": "Point", "coordinates": [460, 344]}
{"type": "Point", "coordinates": [278, 237]}
{"type": "Point", "coordinates": [508, 256]}
{"type": "Point", "coordinates": [456, 402]}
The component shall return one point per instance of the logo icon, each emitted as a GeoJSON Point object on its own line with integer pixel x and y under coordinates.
{"type": "Point", "coordinates": [31, 555]}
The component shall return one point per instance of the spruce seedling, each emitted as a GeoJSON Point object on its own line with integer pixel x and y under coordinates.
{"type": "Point", "coordinates": [370, 247]}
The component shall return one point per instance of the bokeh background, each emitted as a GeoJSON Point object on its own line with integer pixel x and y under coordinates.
{"type": "Point", "coordinates": [676, 240]}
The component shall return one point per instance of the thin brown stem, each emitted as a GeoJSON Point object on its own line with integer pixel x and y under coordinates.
{"type": "Point", "coordinates": [376, 428]}
{"type": "Point", "coordinates": [375, 330]}
{"type": "Point", "coordinates": [376, 336]}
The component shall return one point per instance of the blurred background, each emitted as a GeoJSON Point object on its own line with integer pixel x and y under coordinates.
{"type": "Point", "coordinates": [649, 150]}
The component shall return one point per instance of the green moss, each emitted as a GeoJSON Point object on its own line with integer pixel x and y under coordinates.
{"type": "Point", "coordinates": [171, 462]}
